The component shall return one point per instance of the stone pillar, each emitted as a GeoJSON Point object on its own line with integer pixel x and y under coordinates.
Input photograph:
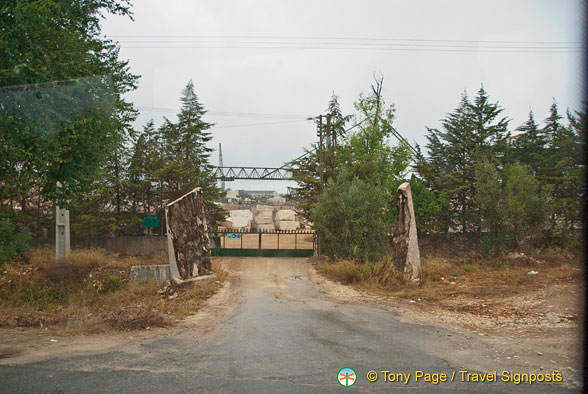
{"type": "Point", "coordinates": [188, 243]}
{"type": "Point", "coordinates": [62, 240]}
{"type": "Point", "coordinates": [406, 256]}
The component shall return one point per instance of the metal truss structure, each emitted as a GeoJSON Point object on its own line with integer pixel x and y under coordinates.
{"type": "Point", "coordinates": [259, 173]}
{"type": "Point", "coordinates": [225, 174]}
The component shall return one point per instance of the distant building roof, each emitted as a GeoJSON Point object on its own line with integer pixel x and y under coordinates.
{"type": "Point", "coordinates": [259, 192]}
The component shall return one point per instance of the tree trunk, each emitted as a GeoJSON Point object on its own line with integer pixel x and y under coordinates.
{"type": "Point", "coordinates": [187, 232]}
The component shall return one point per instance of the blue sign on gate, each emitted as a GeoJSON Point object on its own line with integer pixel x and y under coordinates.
{"type": "Point", "coordinates": [233, 235]}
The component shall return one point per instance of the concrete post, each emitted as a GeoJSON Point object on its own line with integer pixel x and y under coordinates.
{"type": "Point", "coordinates": [62, 240]}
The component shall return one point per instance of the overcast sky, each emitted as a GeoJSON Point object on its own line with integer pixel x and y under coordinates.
{"type": "Point", "coordinates": [278, 62]}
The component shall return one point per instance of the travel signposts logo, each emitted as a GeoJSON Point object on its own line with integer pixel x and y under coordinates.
{"type": "Point", "coordinates": [346, 377]}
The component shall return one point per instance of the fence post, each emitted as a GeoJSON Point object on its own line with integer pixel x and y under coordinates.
{"type": "Point", "coordinates": [295, 239]}
{"type": "Point", "coordinates": [260, 240]}
{"type": "Point", "coordinates": [278, 240]}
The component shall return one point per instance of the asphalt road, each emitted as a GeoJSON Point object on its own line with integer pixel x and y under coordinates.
{"type": "Point", "coordinates": [282, 336]}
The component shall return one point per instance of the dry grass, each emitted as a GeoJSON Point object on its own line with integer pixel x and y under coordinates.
{"type": "Point", "coordinates": [91, 293]}
{"type": "Point", "coordinates": [468, 276]}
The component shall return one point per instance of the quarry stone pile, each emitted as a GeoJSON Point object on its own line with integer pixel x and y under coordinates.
{"type": "Point", "coordinates": [239, 219]}
{"type": "Point", "coordinates": [264, 218]}
{"type": "Point", "coordinates": [286, 220]}
{"type": "Point", "coordinates": [406, 256]}
{"type": "Point", "coordinates": [187, 237]}
{"type": "Point", "coordinates": [286, 215]}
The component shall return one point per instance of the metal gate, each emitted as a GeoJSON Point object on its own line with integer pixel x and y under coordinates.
{"type": "Point", "coordinates": [263, 243]}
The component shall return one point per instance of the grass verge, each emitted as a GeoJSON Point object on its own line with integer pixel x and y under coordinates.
{"type": "Point", "coordinates": [91, 293]}
{"type": "Point", "coordinates": [468, 276]}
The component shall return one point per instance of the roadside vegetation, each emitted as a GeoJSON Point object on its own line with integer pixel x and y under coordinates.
{"type": "Point", "coordinates": [463, 275]}
{"type": "Point", "coordinates": [67, 136]}
{"type": "Point", "coordinates": [504, 189]}
{"type": "Point", "coordinates": [502, 288]}
{"type": "Point", "coordinates": [498, 209]}
{"type": "Point", "coordinates": [91, 293]}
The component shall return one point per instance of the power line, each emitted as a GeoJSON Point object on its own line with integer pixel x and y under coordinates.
{"type": "Point", "coordinates": [306, 44]}
{"type": "Point", "coordinates": [348, 38]}
{"type": "Point", "coordinates": [405, 49]}
{"type": "Point", "coordinates": [235, 114]}
{"type": "Point", "coordinates": [346, 43]}
{"type": "Point", "coordinates": [342, 133]}
{"type": "Point", "coordinates": [258, 124]}
{"type": "Point", "coordinates": [258, 115]}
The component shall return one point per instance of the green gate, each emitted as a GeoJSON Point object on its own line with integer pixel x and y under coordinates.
{"type": "Point", "coordinates": [263, 243]}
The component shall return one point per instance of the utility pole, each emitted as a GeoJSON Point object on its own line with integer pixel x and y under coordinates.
{"type": "Point", "coordinates": [330, 160]}
{"type": "Point", "coordinates": [320, 151]}
{"type": "Point", "coordinates": [328, 131]}
{"type": "Point", "coordinates": [333, 131]}
{"type": "Point", "coordinates": [220, 164]}
{"type": "Point", "coordinates": [377, 90]}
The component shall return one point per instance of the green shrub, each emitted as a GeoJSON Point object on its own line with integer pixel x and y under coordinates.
{"type": "Point", "coordinates": [13, 241]}
{"type": "Point", "coordinates": [112, 283]}
{"type": "Point", "coordinates": [108, 284]}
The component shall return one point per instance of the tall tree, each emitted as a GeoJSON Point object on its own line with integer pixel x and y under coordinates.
{"type": "Point", "coordinates": [62, 111]}
{"type": "Point", "coordinates": [561, 173]}
{"type": "Point", "coordinates": [529, 146]}
{"type": "Point", "coordinates": [512, 204]}
{"type": "Point", "coordinates": [187, 157]}
{"type": "Point", "coordinates": [490, 130]}
{"type": "Point", "coordinates": [452, 156]}
{"type": "Point", "coordinates": [307, 168]}
{"type": "Point", "coordinates": [354, 213]}
{"type": "Point", "coordinates": [471, 133]}
{"type": "Point", "coordinates": [54, 51]}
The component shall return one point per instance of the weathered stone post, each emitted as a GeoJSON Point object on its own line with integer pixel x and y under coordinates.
{"type": "Point", "coordinates": [188, 243]}
{"type": "Point", "coordinates": [62, 239]}
{"type": "Point", "coordinates": [406, 255]}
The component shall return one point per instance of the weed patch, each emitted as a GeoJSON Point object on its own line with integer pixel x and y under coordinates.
{"type": "Point", "coordinates": [90, 293]}
{"type": "Point", "coordinates": [466, 276]}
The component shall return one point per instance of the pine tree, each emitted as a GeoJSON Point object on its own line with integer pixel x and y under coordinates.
{"type": "Point", "coordinates": [560, 173]}
{"type": "Point", "coordinates": [450, 167]}
{"type": "Point", "coordinates": [490, 132]}
{"type": "Point", "coordinates": [334, 130]}
{"type": "Point", "coordinates": [554, 133]}
{"type": "Point", "coordinates": [529, 146]}
{"type": "Point", "coordinates": [307, 168]}
{"type": "Point", "coordinates": [473, 132]}
{"type": "Point", "coordinates": [193, 135]}
{"type": "Point", "coordinates": [142, 167]}
{"type": "Point", "coordinates": [306, 173]}
{"type": "Point", "coordinates": [578, 122]}
{"type": "Point", "coordinates": [185, 162]}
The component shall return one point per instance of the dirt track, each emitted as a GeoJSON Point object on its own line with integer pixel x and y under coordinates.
{"type": "Point", "coordinates": [276, 326]}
